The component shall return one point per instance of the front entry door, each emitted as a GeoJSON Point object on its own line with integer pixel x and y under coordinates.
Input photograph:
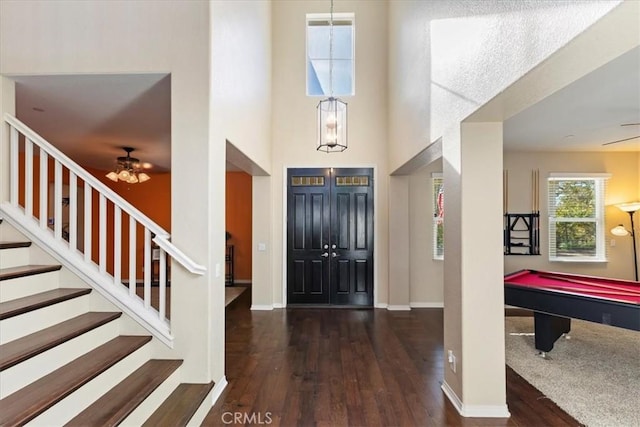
{"type": "Point", "coordinates": [330, 236]}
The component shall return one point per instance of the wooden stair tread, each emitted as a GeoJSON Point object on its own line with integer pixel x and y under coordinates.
{"type": "Point", "coordinates": [114, 406]}
{"type": "Point", "coordinates": [14, 245]}
{"type": "Point", "coordinates": [32, 400]}
{"type": "Point", "coordinates": [26, 270]}
{"type": "Point", "coordinates": [43, 299]}
{"type": "Point", "coordinates": [31, 345]}
{"type": "Point", "coordinates": [180, 406]}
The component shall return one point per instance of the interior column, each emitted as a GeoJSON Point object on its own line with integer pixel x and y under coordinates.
{"type": "Point", "coordinates": [399, 297]}
{"type": "Point", "coordinates": [473, 270]}
{"type": "Point", "coordinates": [7, 105]}
{"type": "Point", "coordinates": [261, 283]}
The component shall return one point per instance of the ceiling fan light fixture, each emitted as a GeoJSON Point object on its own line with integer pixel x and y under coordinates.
{"type": "Point", "coordinates": [128, 169]}
{"type": "Point", "coordinates": [113, 176]}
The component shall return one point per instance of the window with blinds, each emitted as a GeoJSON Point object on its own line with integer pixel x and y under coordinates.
{"type": "Point", "coordinates": [576, 217]}
{"type": "Point", "coordinates": [437, 185]}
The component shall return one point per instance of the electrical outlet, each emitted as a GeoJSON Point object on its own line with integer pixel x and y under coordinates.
{"type": "Point", "coordinates": [451, 358]}
{"type": "Point", "coordinates": [613, 243]}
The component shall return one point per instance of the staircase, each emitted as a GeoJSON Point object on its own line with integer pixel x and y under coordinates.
{"type": "Point", "coordinates": [68, 357]}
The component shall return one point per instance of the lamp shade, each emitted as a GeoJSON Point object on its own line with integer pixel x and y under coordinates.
{"type": "Point", "coordinates": [629, 207]}
{"type": "Point", "coordinates": [619, 231]}
{"type": "Point", "coordinates": [332, 125]}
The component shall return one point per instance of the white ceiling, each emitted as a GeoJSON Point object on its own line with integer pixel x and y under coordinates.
{"type": "Point", "coordinates": [90, 117]}
{"type": "Point", "coordinates": [586, 114]}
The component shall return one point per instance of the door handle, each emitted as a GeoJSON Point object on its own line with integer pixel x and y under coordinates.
{"type": "Point", "coordinates": [325, 255]}
{"type": "Point", "coordinates": [333, 254]}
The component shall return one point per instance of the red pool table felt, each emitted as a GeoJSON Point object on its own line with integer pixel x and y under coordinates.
{"type": "Point", "coordinates": [626, 290]}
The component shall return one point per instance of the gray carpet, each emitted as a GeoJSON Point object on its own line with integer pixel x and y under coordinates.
{"type": "Point", "coordinates": [594, 375]}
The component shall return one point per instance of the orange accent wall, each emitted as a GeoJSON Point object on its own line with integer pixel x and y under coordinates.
{"type": "Point", "coordinates": [238, 221]}
{"type": "Point", "coordinates": [153, 198]}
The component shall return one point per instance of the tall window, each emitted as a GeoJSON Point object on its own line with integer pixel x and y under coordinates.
{"type": "Point", "coordinates": [576, 217]}
{"type": "Point", "coordinates": [318, 53]}
{"type": "Point", "coordinates": [438, 215]}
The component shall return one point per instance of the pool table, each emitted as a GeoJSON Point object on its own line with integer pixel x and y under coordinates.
{"type": "Point", "coordinates": [556, 298]}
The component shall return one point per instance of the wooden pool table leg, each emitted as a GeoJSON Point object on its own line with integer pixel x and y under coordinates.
{"type": "Point", "coordinates": [548, 329]}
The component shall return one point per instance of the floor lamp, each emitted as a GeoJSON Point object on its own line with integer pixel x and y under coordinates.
{"type": "Point", "coordinates": [630, 208]}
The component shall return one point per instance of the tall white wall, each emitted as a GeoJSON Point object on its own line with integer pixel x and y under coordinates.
{"type": "Point", "coordinates": [240, 112]}
{"type": "Point", "coordinates": [241, 70]}
{"type": "Point", "coordinates": [71, 37]}
{"type": "Point", "coordinates": [294, 119]}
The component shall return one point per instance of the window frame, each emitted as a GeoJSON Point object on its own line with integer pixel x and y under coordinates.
{"type": "Point", "coordinates": [325, 17]}
{"type": "Point", "coordinates": [600, 185]}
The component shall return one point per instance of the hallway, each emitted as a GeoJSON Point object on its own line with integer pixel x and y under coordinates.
{"type": "Point", "coordinates": [349, 367]}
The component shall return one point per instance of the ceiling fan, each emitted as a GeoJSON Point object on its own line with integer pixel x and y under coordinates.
{"type": "Point", "coordinates": [624, 139]}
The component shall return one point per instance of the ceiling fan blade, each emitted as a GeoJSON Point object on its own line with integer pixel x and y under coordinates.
{"type": "Point", "coordinates": [630, 124]}
{"type": "Point", "coordinates": [621, 140]}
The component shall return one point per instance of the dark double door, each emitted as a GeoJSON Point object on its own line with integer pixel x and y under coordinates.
{"type": "Point", "coordinates": [330, 236]}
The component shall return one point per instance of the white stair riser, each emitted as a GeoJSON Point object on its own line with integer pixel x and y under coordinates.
{"type": "Point", "coordinates": [8, 233]}
{"type": "Point", "coordinates": [28, 285]}
{"type": "Point", "coordinates": [26, 372]}
{"type": "Point", "coordinates": [14, 257]}
{"type": "Point", "coordinates": [153, 401]}
{"type": "Point", "coordinates": [80, 399]}
{"type": "Point", "coordinates": [28, 323]}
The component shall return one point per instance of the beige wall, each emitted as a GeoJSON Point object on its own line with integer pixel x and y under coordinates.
{"type": "Point", "coordinates": [621, 187]}
{"type": "Point", "coordinates": [240, 93]}
{"type": "Point", "coordinates": [294, 119]}
{"type": "Point", "coordinates": [425, 272]}
{"type": "Point", "coordinates": [70, 37]}
{"type": "Point", "coordinates": [241, 66]}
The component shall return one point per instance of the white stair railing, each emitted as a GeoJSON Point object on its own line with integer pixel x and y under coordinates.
{"type": "Point", "coordinates": [57, 202]}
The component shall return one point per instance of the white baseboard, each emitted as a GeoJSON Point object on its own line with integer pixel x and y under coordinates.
{"type": "Point", "coordinates": [261, 307]}
{"type": "Point", "coordinates": [475, 411]}
{"type": "Point", "coordinates": [215, 393]}
{"type": "Point", "coordinates": [426, 304]}
{"type": "Point", "coordinates": [452, 396]}
{"type": "Point", "coordinates": [278, 305]}
{"type": "Point", "coordinates": [398, 308]}
{"type": "Point", "coordinates": [381, 305]}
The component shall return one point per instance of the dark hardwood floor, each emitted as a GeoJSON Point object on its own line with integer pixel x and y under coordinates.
{"type": "Point", "coordinates": [349, 367]}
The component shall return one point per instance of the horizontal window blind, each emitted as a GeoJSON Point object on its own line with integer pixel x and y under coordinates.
{"type": "Point", "coordinates": [437, 185]}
